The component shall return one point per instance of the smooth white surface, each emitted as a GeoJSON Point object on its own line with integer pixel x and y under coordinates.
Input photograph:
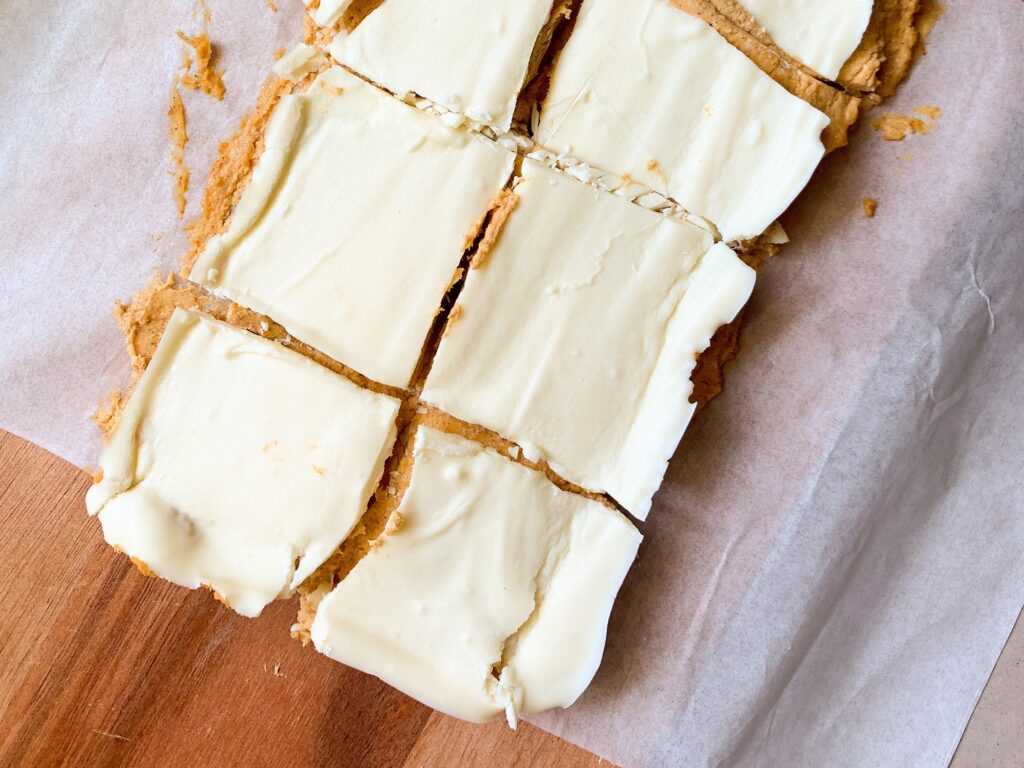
{"type": "Point", "coordinates": [645, 89]}
{"type": "Point", "coordinates": [354, 223]}
{"type": "Point", "coordinates": [238, 463]}
{"type": "Point", "coordinates": [467, 55]}
{"type": "Point", "coordinates": [491, 563]}
{"type": "Point", "coordinates": [577, 336]}
{"type": "Point", "coordinates": [822, 34]}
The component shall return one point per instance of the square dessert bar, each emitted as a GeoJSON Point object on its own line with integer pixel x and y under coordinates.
{"type": "Point", "coordinates": [354, 223]}
{"type": "Point", "coordinates": [470, 57]}
{"type": "Point", "coordinates": [646, 90]}
{"type": "Point", "coordinates": [822, 35]}
{"type": "Point", "coordinates": [238, 464]}
{"type": "Point", "coordinates": [489, 591]}
{"type": "Point", "coordinates": [576, 337]}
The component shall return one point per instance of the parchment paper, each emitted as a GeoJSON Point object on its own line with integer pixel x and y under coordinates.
{"type": "Point", "coordinates": [837, 556]}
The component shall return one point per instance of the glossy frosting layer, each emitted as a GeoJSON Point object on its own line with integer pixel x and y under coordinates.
{"type": "Point", "coordinates": [490, 591]}
{"type": "Point", "coordinates": [822, 34]}
{"type": "Point", "coordinates": [354, 222]}
{"type": "Point", "coordinates": [238, 464]}
{"type": "Point", "coordinates": [577, 336]}
{"type": "Point", "coordinates": [471, 57]}
{"type": "Point", "coordinates": [647, 90]}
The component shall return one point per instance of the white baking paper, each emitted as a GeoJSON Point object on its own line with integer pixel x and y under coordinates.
{"type": "Point", "coordinates": [837, 556]}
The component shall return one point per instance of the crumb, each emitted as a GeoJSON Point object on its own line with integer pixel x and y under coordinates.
{"type": "Point", "coordinates": [206, 77]}
{"type": "Point", "coordinates": [277, 671]}
{"type": "Point", "coordinates": [503, 206]}
{"type": "Point", "coordinates": [279, 54]}
{"type": "Point", "coordinates": [319, 470]}
{"type": "Point", "coordinates": [393, 524]}
{"type": "Point", "coordinates": [870, 207]}
{"type": "Point", "coordinates": [179, 137]}
{"type": "Point", "coordinates": [337, 90]}
{"type": "Point", "coordinates": [453, 316]}
{"type": "Point", "coordinates": [272, 6]}
{"type": "Point", "coordinates": [653, 167]}
{"type": "Point", "coordinates": [309, 28]}
{"type": "Point", "coordinates": [106, 416]}
{"type": "Point", "coordinates": [217, 595]}
{"type": "Point", "coordinates": [141, 565]}
{"type": "Point", "coordinates": [895, 127]}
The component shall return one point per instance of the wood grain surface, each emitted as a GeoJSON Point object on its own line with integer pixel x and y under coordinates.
{"type": "Point", "coordinates": [101, 666]}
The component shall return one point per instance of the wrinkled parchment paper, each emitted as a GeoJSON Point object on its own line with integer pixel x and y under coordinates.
{"type": "Point", "coordinates": [837, 556]}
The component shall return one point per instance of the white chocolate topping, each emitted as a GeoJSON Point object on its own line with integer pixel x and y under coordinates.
{"type": "Point", "coordinates": [354, 222]}
{"type": "Point", "coordinates": [493, 593]}
{"type": "Point", "coordinates": [577, 336]}
{"type": "Point", "coordinates": [471, 57]}
{"type": "Point", "coordinates": [239, 464]}
{"type": "Point", "coordinates": [645, 89]}
{"type": "Point", "coordinates": [822, 34]}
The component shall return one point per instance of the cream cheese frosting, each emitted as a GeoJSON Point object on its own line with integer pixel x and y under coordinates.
{"type": "Point", "coordinates": [577, 336]}
{"type": "Point", "coordinates": [492, 592]}
{"type": "Point", "coordinates": [471, 57]}
{"type": "Point", "coordinates": [645, 89]}
{"type": "Point", "coordinates": [822, 34]}
{"type": "Point", "coordinates": [354, 222]}
{"type": "Point", "coordinates": [239, 464]}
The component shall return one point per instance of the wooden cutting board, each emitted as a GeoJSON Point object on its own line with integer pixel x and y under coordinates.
{"type": "Point", "coordinates": [100, 666]}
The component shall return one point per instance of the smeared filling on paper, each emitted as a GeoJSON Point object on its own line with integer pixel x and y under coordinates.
{"type": "Point", "coordinates": [198, 73]}
{"type": "Point", "coordinates": [178, 133]}
{"type": "Point", "coordinates": [894, 127]}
